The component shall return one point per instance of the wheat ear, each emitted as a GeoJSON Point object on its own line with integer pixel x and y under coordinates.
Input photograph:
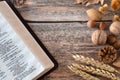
{"type": "Point", "coordinates": [96, 71]}
{"type": "Point", "coordinates": [82, 73]}
{"type": "Point", "coordinates": [95, 63]}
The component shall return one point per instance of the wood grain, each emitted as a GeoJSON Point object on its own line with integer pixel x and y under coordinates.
{"type": "Point", "coordinates": [57, 10]}
{"type": "Point", "coordinates": [63, 39]}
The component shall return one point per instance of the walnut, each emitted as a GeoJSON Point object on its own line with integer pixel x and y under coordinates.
{"type": "Point", "coordinates": [99, 37]}
{"type": "Point", "coordinates": [115, 28]}
{"type": "Point", "coordinates": [107, 54]}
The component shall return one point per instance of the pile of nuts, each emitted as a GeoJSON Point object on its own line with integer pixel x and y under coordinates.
{"type": "Point", "coordinates": [100, 37]}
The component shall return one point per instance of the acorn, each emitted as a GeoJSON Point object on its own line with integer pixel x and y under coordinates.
{"type": "Point", "coordinates": [107, 54]}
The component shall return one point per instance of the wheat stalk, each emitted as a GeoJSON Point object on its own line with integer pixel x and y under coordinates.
{"type": "Point", "coordinates": [95, 63]}
{"type": "Point", "coordinates": [82, 73]}
{"type": "Point", "coordinates": [96, 71]}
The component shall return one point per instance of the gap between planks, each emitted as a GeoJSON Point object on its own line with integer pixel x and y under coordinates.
{"type": "Point", "coordinates": [29, 21]}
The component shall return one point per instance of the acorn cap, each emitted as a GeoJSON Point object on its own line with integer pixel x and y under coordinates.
{"type": "Point", "coordinates": [107, 54]}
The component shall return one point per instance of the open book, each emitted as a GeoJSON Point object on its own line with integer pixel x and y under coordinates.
{"type": "Point", "coordinates": [21, 57]}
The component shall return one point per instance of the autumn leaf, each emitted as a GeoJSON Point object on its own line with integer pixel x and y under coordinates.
{"type": "Point", "coordinates": [89, 2]}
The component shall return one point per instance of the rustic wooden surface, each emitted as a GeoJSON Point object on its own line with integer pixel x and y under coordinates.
{"type": "Point", "coordinates": [62, 38]}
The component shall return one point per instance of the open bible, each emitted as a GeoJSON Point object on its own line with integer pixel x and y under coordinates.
{"type": "Point", "coordinates": [21, 56]}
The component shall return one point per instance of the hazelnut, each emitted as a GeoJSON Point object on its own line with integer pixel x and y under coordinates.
{"type": "Point", "coordinates": [99, 37]}
{"type": "Point", "coordinates": [111, 39]}
{"type": "Point", "coordinates": [115, 28]}
{"type": "Point", "coordinates": [116, 18]}
{"type": "Point", "coordinates": [91, 23]}
{"type": "Point", "coordinates": [116, 45]}
{"type": "Point", "coordinates": [102, 25]}
{"type": "Point", "coordinates": [94, 14]}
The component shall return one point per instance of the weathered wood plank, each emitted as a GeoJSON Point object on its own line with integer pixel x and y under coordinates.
{"type": "Point", "coordinates": [57, 10]}
{"type": "Point", "coordinates": [63, 39]}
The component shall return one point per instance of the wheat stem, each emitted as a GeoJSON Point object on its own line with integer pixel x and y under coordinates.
{"type": "Point", "coordinates": [96, 71]}
{"type": "Point", "coordinates": [95, 63]}
{"type": "Point", "coordinates": [82, 73]}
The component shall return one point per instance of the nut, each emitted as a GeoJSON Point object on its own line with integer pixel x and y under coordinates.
{"type": "Point", "coordinates": [116, 45]}
{"type": "Point", "coordinates": [115, 4]}
{"type": "Point", "coordinates": [91, 23]}
{"type": "Point", "coordinates": [111, 39]}
{"type": "Point", "coordinates": [99, 37]}
{"type": "Point", "coordinates": [104, 8]}
{"type": "Point", "coordinates": [102, 25]}
{"type": "Point", "coordinates": [116, 18]}
{"type": "Point", "coordinates": [115, 28]}
{"type": "Point", "coordinates": [94, 14]}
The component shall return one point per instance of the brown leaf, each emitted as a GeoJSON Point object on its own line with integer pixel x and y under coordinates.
{"type": "Point", "coordinates": [89, 2]}
{"type": "Point", "coordinates": [78, 1]}
{"type": "Point", "coordinates": [102, 2]}
{"type": "Point", "coordinates": [92, 2]}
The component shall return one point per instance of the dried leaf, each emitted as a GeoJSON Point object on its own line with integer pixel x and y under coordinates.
{"type": "Point", "coordinates": [89, 2]}
{"type": "Point", "coordinates": [92, 2]}
{"type": "Point", "coordinates": [102, 2]}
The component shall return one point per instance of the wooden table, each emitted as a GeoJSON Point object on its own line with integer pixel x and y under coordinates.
{"type": "Point", "coordinates": [61, 26]}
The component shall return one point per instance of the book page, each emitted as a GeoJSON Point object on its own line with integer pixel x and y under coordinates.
{"type": "Point", "coordinates": [16, 61]}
